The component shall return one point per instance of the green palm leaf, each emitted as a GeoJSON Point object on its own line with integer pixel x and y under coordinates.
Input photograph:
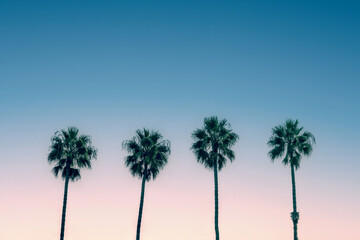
{"type": "Point", "coordinates": [289, 142]}
{"type": "Point", "coordinates": [212, 148]}
{"type": "Point", "coordinates": [70, 151]}
{"type": "Point", "coordinates": [149, 154]}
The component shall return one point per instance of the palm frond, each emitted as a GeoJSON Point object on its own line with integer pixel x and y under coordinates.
{"type": "Point", "coordinates": [148, 153]}
{"type": "Point", "coordinates": [290, 140]}
{"type": "Point", "coordinates": [221, 161]}
{"type": "Point", "coordinates": [276, 152]}
{"type": "Point", "coordinates": [213, 143]}
{"type": "Point", "coordinates": [199, 134]}
{"type": "Point", "coordinates": [74, 174]}
{"type": "Point", "coordinates": [70, 150]}
{"type": "Point", "coordinates": [57, 169]}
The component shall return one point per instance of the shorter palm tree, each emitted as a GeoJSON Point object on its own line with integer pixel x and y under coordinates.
{"type": "Point", "coordinates": [289, 142]}
{"type": "Point", "coordinates": [212, 148]}
{"type": "Point", "coordinates": [70, 152]}
{"type": "Point", "coordinates": [148, 155]}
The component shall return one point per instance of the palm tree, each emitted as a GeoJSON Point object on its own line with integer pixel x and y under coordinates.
{"type": "Point", "coordinates": [70, 152]}
{"type": "Point", "coordinates": [148, 155]}
{"type": "Point", "coordinates": [212, 147]}
{"type": "Point", "coordinates": [290, 142]}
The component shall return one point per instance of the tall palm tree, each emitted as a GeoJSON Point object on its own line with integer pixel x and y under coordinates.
{"type": "Point", "coordinates": [70, 151]}
{"type": "Point", "coordinates": [290, 142]}
{"type": "Point", "coordinates": [212, 147]}
{"type": "Point", "coordinates": [149, 153]}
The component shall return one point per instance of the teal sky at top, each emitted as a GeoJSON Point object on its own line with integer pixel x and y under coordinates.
{"type": "Point", "coordinates": [263, 60]}
{"type": "Point", "coordinates": [111, 67]}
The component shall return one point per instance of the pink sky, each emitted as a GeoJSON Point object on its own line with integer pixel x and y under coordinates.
{"type": "Point", "coordinates": [111, 67]}
{"type": "Point", "coordinates": [255, 203]}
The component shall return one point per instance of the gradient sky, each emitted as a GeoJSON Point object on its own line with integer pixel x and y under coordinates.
{"type": "Point", "coordinates": [110, 68]}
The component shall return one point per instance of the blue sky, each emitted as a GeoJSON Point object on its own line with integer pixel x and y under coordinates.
{"type": "Point", "coordinates": [261, 53]}
{"type": "Point", "coordinates": [112, 67]}
{"type": "Point", "coordinates": [79, 61]}
{"type": "Point", "coordinates": [253, 59]}
{"type": "Point", "coordinates": [74, 61]}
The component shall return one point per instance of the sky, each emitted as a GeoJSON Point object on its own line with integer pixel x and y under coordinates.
{"type": "Point", "coordinates": [111, 67]}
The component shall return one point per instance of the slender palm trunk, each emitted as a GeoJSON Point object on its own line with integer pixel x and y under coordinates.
{"type": "Point", "coordinates": [216, 201]}
{"type": "Point", "coordinates": [140, 208]}
{"type": "Point", "coordinates": [64, 204]}
{"type": "Point", "coordinates": [294, 214]}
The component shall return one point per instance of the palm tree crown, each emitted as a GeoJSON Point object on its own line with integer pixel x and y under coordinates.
{"type": "Point", "coordinates": [148, 153]}
{"type": "Point", "coordinates": [71, 151]}
{"type": "Point", "coordinates": [290, 142]}
{"type": "Point", "coordinates": [212, 147]}
{"type": "Point", "coordinates": [213, 143]}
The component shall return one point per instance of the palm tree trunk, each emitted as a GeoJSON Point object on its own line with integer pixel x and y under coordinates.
{"type": "Point", "coordinates": [141, 207]}
{"type": "Point", "coordinates": [216, 201]}
{"type": "Point", "coordinates": [64, 204]}
{"type": "Point", "coordinates": [294, 214]}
